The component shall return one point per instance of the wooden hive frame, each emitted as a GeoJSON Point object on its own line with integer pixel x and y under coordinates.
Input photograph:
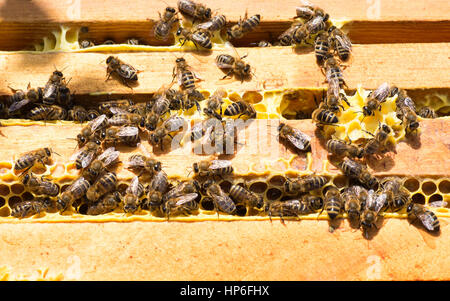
{"type": "Point", "coordinates": [409, 50]}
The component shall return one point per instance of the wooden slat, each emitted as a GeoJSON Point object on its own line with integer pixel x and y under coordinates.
{"type": "Point", "coordinates": [409, 66]}
{"type": "Point", "coordinates": [26, 22]}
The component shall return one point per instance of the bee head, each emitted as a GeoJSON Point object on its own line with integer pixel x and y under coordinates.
{"type": "Point", "coordinates": [81, 139]}
{"type": "Point", "coordinates": [259, 202]}
{"type": "Point", "coordinates": [196, 167]}
{"type": "Point", "coordinates": [247, 69]}
{"type": "Point", "coordinates": [207, 183]}
{"type": "Point", "coordinates": [386, 128]}
{"type": "Point", "coordinates": [280, 126]}
{"type": "Point", "coordinates": [154, 139]}
{"type": "Point", "coordinates": [109, 59]}
{"type": "Point", "coordinates": [179, 31]}
{"type": "Point", "coordinates": [409, 208]}
{"type": "Point", "coordinates": [208, 13]}
{"type": "Point", "coordinates": [326, 17]}
{"type": "Point", "coordinates": [142, 122]}
{"type": "Point", "coordinates": [48, 151]}
{"type": "Point", "coordinates": [196, 185]}
{"type": "Point", "coordinates": [170, 10]}
{"type": "Point", "coordinates": [394, 90]}
{"type": "Point", "coordinates": [57, 73]}
{"type": "Point", "coordinates": [157, 166]}
{"type": "Point", "coordinates": [331, 29]}
{"type": "Point", "coordinates": [26, 179]}
{"type": "Point", "coordinates": [366, 111]}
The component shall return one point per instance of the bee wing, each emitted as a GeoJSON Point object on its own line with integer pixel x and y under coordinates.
{"type": "Point", "coordinates": [427, 220]}
{"type": "Point", "coordinates": [306, 3]}
{"type": "Point", "coordinates": [117, 110]}
{"type": "Point", "coordinates": [134, 186]}
{"type": "Point", "coordinates": [381, 92]}
{"type": "Point", "coordinates": [76, 184]}
{"type": "Point", "coordinates": [128, 131]}
{"type": "Point", "coordinates": [94, 124]}
{"type": "Point", "coordinates": [186, 198]}
{"type": "Point", "coordinates": [109, 155]}
{"type": "Point", "coordinates": [344, 41]}
{"type": "Point", "coordinates": [126, 70]}
{"type": "Point", "coordinates": [136, 161]}
{"type": "Point", "coordinates": [299, 139]}
{"type": "Point", "coordinates": [87, 159]}
{"type": "Point", "coordinates": [18, 105]}
{"type": "Point", "coordinates": [216, 164]}
{"type": "Point", "coordinates": [314, 23]}
{"type": "Point", "coordinates": [438, 204]}
{"type": "Point", "coordinates": [49, 90]}
{"type": "Point", "coordinates": [304, 11]}
{"type": "Point", "coordinates": [380, 201]}
{"type": "Point", "coordinates": [223, 65]}
{"type": "Point", "coordinates": [333, 87]}
{"type": "Point", "coordinates": [205, 26]}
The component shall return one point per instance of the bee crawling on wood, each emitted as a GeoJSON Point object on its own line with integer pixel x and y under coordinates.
{"type": "Point", "coordinates": [234, 64]}
{"type": "Point", "coordinates": [163, 27]}
{"type": "Point", "coordinates": [300, 140]}
{"type": "Point", "coordinates": [197, 36]}
{"type": "Point", "coordinates": [211, 168]}
{"type": "Point", "coordinates": [126, 72]}
{"type": "Point", "coordinates": [243, 26]}
{"type": "Point", "coordinates": [195, 10]}
{"type": "Point", "coordinates": [427, 217]}
{"type": "Point", "coordinates": [29, 159]}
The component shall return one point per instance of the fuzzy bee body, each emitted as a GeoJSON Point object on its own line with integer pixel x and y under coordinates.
{"type": "Point", "coordinates": [305, 184]}
{"type": "Point", "coordinates": [28, 159]}
{"type": "Point", "coordinates": [104, 184]}
{"type": "Point", "coordinates": [163, 27]}
{"type": "Point", "coordinates": [40, 186]}
{"type": "Point", "coordinates": [213, 168]}
{"type": "Point", "coordinates": [243, 195]}
{"type": "Point", "coordinates": [46, 112]}
{"type": "Point", "coordinates": [75, 191]}
{"type": "Point", "coordinates": [342, 148]}
{"type": "Point", "coordinates": [106, 204]}
{"type": "Point", "coordinates": [197, 11]}
{"type": "Point", "coordinates": [29, 208]}
{"type": "Point", "coordinates": [240, 108]}
{"type": "Point", "coordinates": [243, 27]}
{"type": "Point", "coordinates": [333, 202]}
{"type": "Point", "coordinates": [125, 71]}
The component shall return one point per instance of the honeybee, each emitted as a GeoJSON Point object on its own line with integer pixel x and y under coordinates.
{"type": "Point", "coordinates": [357, 171]}
{"type": "Point", "coordinates": [308, 10]}
{"type": "Point", "coordinates": [321, 48]}
{"type": "Point", "coordinates": [333, 102]}
{"type": "Point", "coordinates": [156, 190]}
{"type": "Point", "coordinates": [29, 208]}
{"type": "Point", "coordinates": [174, 123]}
{"type": "Point", "coordinates": [185, 76]}
{"type": "Point", "coordinates": [122, 117]}
{"type": "Point", "coordinates": [305, 184]}
{"type": "Point", "coordinates": [105, 106]}
{"type": "Point", "coordinates": [126, 134]}
{"type": "Point", "coordinates": [138, 108]}
{"type": "Point", "coordinates": [426, 216]}
{"type": "Point", "coordinates": [85, 155]}
{"type": "Point", "coordinates": [106, 204]}
{"type": "Point", "coordinates": [143, 164]}
{"type": "Point", "coordinates": [286, 38]}
{"type": "Point", "coordinates": [78, 113]}
{"type": "Point", "coordinates": [295, 207]}
{"type": "Point", "coordinates": [192, 97]}
{"type": "Point", "coordinates": [300, 140]}
{"type": "Point", "coordinates": [341, 43]}
{"type": "Point", "coordinates": [197, 36]}
{"type": "Point", "coordinates": [104, 184]}
{"type": "Point", "coordinates": [52, 86]}
{"type": "Point", "coordinates": [186, 187]}
{"type": "Point", "coordinates": [21, 98]}
{"type": "Point", "coordinates": [222, 202]}
{"type": "Point", "coordinates": [89, 130]}
{"type": "Point", "coordinates": [262, 43]}
{"type": "Point", "coordinates": [126, 72]}
{"type": "Point", "coordinates": [334, 76]}
{"type": "Point", "coordinates": [323, 116]}
{"type": "Point", "coordinates": [243, 195]}
{"type": "Point", "coordinates": [333, 202]}
{"type": "Point", "coordinates": [212, 168]}
{"type": "Point", "coordinates": [132, 41]}
{"type": "Point", "coordinates": [402, 101]}
{"type": "Point", "coordinates": [74, 192]}
{"type": "Point", "coordinates": [131, 200]}
{"type": "Point", "coordinates": [86, 44]}
{"type": "Point", "coordinates": [163, 27]}
{"type": "Point", "coordinates": [373, 206]}
{"type": "Point", "coordinates": [376, 98]}
{"type": "Point", "coordinates": [234, 64]}
{"type": "Point", "coordinates": [396, 195]}
{"type": "Point", "coordinates": [377, 143]}
{"type": "Point", "coordinates": [240, 108]}
{"type": "Point", "coordinates": [216, 23]}
{"type": "Point", "coordinates": [184, 204]}
{"type": "Point", "coordinates": [176, 99]}
{"type": "Point", "coordinates": [105, 159]}
{"type": "Point", "coordinates": [63, 96]}
{"type": "Point", "coordinates": [161, 100]}
{"type": "Point", "coordinates": [316, 24]}
{"type": "Point", "coordinates": [197, 11]}
{"type": "Point", "coordinates": [354, 198]}
{"type": "Point", "coordinates": [427, 112]}
{"type": "Point", "coordinates": [29, 159]}
{"type": "Point", "coordinates": [40, 186]}
{"type": "Point", "coordinates": [341, 148]}
{"type": "Point", "coordinates": [409, 118]}
{"type": "Point", "coordinates": [46, 112]}
{"type": "Point", "coordinates": [243, 27]}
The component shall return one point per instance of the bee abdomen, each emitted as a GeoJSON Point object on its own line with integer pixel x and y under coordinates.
{"type": "Point", "coordinates": [224, 59]}
{"type": "Point", "coordinates": [327, 117]}
{"type": "Point", "coordinates": [202, 39]}
{"type": "Point", "coordinates": [235, 108]}
{"type": "Point", "coordinates": [251, 23]}
{"type": "Point", "coordinates": [312, 183]}
{"type": "Point", "coordinates": [333, 207]}
{"type": "Point", "coordinates": [187, 80]}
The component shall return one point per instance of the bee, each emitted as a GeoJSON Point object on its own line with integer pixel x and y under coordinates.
{"type": "Point", "coordinates": [85, 155]}
{"type": "Point", "coordinates": [300, 140]}
{"type": "Point", "coordinates": [312, 202]}
{"type": "Point", "coordinates": [132, 41]}
{"type": "Point", "coordinates": [305, 184]}
{"type": "Point", "coordinates": [234, 64]}
{"type": "Point", "coordinates": [176, 99]}
{"type": "Point", "coordinates": [426, 216]}
{"type": "Point", "coordinates": [308, 10]}
{"type": "Point", "coordinates": [105, 159]}
{"type": "Point", "coordinates": [243, 195]}
{"type": "Point", "coordinates": [125, 71]}
{"type": "Point", "coordinates": [40, 186]}
{"type": "Point", "coordinates": [126, 134]}
{"type": "Point", "coordinates": [321, 48]}
{"type": "Point", "coordinates": [212, 168]}
{"type": "Point", "coordinates": [316, 24]}
{"type": "Point", "coordinates": [163, 27]}
{"type": "Point", "coordinates": [63, 96]}
{"type": "Point", "coordinates": [342, 148]}
{"type": "Point", "coordinates": [323, 116]}
{"type": "Point", "coordinates": [131, 200]}
{"type": "Point", "coordinates": [91, 128]}
{"type": "Point", "coordinates": [195, 10]}
{"type": "Point", "coordinates": [334, 76]}
{"type": "Point", "coordinates": [52, 86]}
{"type": "Point", "coordinates": [375, 144]}
{"type": "Point", "coordinates": [46, 112]}
{"type": "Point", "coordinates": [74, 192]}
{"type": "Point", "coordinates": [192, 97]}
{"type": "Point", "coordinates": [286, 38]}
{"type": "Point", "coordinates": [427, 112]}
{"type": "Point", "coordinates": [143, 164]}
{"type": "Point", "coordinates": [333, 102]}
{"type": "Point", "coordinates": [240, 108]}
{"type": "Point", "coordinates": [243, 27]}
{"type": "Point", "coordinates": [222, 202]}
{"type": "Point", "coordinates": [78, 113]}
{"type": "Point", "coordinates": [104, 184]}
{"type": "Point", "coordinates": [402, 101]}
{"type": "Point", "coordinates": [186, 187]}
{"type": "Point", "coordinates": [156, 190]}
{"type": "Point", "coordinates": [341, 43]}
{"type": "Point", "coordinates": [333, 202]}
{"type": "Point", "coordinates": [373, 206]}
{"type": "Point", "coordinates": [123, 117]}
{"type": "Point", "coordinates": [20, 98]}
{"type": "Point", "coordinates": [86, 44]}
{"type": "Point", "coordinates": [106, 204]}
{"type": "Point", "coordinates": [396, 195]}
{"type": "Point", "coordinates": [29, 159]}
{"type": "Point", "coordinates": [215, 24]}
{"type": "Point", "coordinates": [357, 171]}
{"type": "Point", "coordinates": [262, 43]}
{"type": "Point", "coordinates": [29, 208]}
{"type": "Point", "coordinates": [186, 77]}
{"type": "Point", "coordinates": [173, 124]}
{"type": "Point", "coordinates": [296, 207]}
{"type": "Point", "coordinates": [105, 106]}
{"type": "Point", "coordinates": [197, 36]}
{"type": "Point", "coordinates": [409, 118]}
{"type": "Point", "coordinates": [184, 204]}
{"type": "Point", "coordinates": [161, 101]}
{"type": "Point", "coordinates": [376, 98]}
{"type": "Point", "coordinates": [354, 198]}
